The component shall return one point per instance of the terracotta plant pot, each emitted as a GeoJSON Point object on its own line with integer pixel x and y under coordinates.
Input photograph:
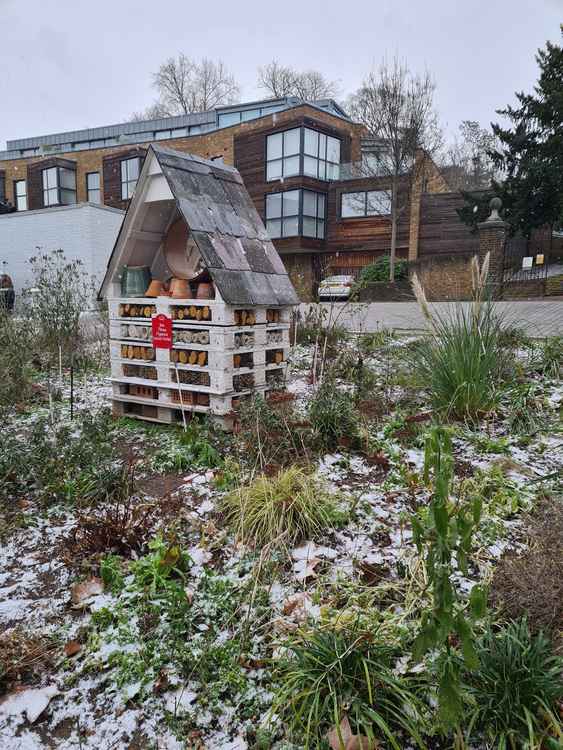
{"type": "Point", "coordinates": [179, 289]}
{"type": "Point", "coordinates": [205, 290]}
{"type": "Point", "coordinates": [155, 289]}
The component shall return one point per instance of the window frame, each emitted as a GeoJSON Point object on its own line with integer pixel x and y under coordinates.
{"type": "Point", "coordinates": [365, 214]}
{"type": "Point", "coordinates": [300, 215]}
{"type": "Point", "coordinates": [301, 154]}
{"type": "Point", "coordinates": [58, 187]}
{"type": "Point", "coordinates": [96, 190]}
{"type": "Point", "coordinates": [127, 182]}
{"type": "Point", "coordinates": [16, 196]}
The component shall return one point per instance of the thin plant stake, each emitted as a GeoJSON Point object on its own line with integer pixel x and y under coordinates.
{"type": "Point", "coordinates": [71, 387]}
{"type": "Point", "coordinates": [181, 398]}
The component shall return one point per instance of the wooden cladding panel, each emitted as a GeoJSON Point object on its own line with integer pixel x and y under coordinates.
{"type": "Point", "coordinates": [441, 230]}
{"type": "Point", "coordinates": [371, 233]}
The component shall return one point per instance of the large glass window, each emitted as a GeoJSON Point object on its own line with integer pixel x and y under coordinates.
{"type": "Point", "coordinates": [59, 186]}
{"type": "Point", "coordinates": [93, 192]}
{"type": "Point", "coordinates": [321, 155]}
{"type": "Point", "coordinates": [282, 214]}
{"type": "Point", "coordinates": [130, 169]}
{"type": "Point", "coordinates": [294, 213]}
{"type": "Point", "coordinates": [313, 214]}
{"type": "Point", "coordinates": [366, 203]}
{"type": "Point", "coordinates": [282, 154]}
{"type": "Point", "coordinates": [20, 195]}
{"type": "Point", "coordinates": [302, 151]}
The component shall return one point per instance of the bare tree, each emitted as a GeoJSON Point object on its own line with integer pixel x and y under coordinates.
{"type": "Point", "coordinates": [185, 86]}
{"type": "Point", "coordinates": [397, 109]}
{"type": "Point", "coordinates": [281, 80]}
{"type": "Point", "coordinates": [466, 163]}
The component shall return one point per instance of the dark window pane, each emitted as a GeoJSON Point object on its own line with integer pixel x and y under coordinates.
{"type": "Point", "coordinates": [274, 228]}
{"type": "Point", "coordinates": [291, 227]}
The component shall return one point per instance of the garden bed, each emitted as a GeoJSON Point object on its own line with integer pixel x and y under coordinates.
{"type": "Point", "coordinates": [148, 612]}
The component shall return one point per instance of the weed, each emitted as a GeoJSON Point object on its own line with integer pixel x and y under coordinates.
{"type": "Point", "coordinates": [187, 450]}
{"type": "Point", "coordinates": [283, 509]}
{"type": "Point", "coordinates": [111, 573]}
{"type": "Point", "coordinates": [488, 444]}
{"type": "Point", "coordinates": [516, 688]}
{"type": "Point", "coordinates": [379, 271]}
{"type": "Point", "coordinates": [328, 675]}
{"type": "Point", "coordinates": [166, 560]}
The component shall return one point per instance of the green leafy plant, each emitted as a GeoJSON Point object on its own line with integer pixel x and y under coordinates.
{"type": "Point", "coordinates": [333, 416]}
{"type": "Point", "coordinates": [443, 536]}
{"type": "Point", "coordinates": [326, 676]}
{"type": "Point", "coordinates": [191, 449]}
{"type": "Point", "coordinates": [379, 271]}
{"type": "Point", "coordinates": [283, 509]}
{"type": "Point", "coordinates": [165, 560]}
{"type": "Point", "coordinates": [111, 573]}
{"type": "Point", "coordinates": [549, 360]}
{"type": "Point", "coordinates": [516, 689]}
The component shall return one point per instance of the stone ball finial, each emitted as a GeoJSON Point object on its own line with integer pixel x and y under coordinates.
{"type": "Point", "coordinates": [495, 204]}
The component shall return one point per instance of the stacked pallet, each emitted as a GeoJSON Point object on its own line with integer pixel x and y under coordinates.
{"type": "Point", "coordinates": [221, 354]}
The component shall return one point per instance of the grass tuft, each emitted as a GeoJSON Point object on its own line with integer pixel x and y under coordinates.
{"type": "Point", "coordinates": [286, 508]}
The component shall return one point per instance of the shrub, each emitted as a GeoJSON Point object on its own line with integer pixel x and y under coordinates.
{"type": "Point", "coordinates": [333, 416]}
{"type": "Point", "coordinates": [379, 271]}
{"type": "Point", "coordinates": [329, 675]}
{"type": "Point", "coordinates": [123, 526]}
{"type": "Point", "coordinates": [516, 688]}
{"type": "Point", "coordinates": [283, 509]}
{"type": "Point", "coordinates": [16, 360]}
{"type": "Point", "coordinates": [60, 463]}
{"type": "Point", "coordinates": [62, 290]}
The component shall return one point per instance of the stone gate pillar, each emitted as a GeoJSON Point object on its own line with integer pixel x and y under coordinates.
{"type": "Point", "coordinates": [492, 237]}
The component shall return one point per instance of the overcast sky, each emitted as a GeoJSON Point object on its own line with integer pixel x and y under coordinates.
{"type": "Point", "coordinates": [69, 64]}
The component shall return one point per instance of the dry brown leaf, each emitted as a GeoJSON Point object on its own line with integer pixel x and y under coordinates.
{"type": "Point", "coordinates": [347, 740]}
{"type": "Point", "coordinates": [80, 592]}
{"type": "Point", "coordinates": [71, 648]}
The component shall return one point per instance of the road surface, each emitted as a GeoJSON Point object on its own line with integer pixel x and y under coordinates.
{"type": "Point", "coordinates": [538, 318]}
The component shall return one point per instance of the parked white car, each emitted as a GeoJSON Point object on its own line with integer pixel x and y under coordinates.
{"type": "Point", "coordinates": [336, 287]}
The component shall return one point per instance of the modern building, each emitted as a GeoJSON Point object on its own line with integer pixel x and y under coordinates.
{"type": "Point", "coordinates": [305, 165]}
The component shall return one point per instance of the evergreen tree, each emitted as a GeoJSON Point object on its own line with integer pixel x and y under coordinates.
{"type": "Point", "coordinates": [531, 151]}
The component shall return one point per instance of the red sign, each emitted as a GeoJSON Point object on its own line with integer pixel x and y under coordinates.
{"type": "Point", "coordinates": [162, 332]}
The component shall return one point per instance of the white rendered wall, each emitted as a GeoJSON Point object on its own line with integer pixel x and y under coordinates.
{"type": "Point", "coordinates": [84, 231]}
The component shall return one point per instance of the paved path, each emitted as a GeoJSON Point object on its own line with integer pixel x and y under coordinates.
{"type": "Point", "coordinates": [538, 318]}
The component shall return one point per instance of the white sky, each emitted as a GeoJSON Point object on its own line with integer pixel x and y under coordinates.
{"type": "Point", "coordinates": [69, 64]}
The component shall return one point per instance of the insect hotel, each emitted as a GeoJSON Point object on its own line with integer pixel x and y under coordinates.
{"type": "Point", "coordinates": [199, 299]}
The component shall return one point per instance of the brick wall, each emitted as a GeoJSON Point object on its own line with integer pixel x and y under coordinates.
{"type": "Point", "coordinates": [444, 277]}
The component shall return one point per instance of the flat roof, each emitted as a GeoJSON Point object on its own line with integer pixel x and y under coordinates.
{"type": "Point", "coordinates": [139, 131]}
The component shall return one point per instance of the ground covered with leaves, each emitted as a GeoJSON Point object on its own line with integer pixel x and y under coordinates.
{"type": "Point", "coordinates": [317, 579]}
